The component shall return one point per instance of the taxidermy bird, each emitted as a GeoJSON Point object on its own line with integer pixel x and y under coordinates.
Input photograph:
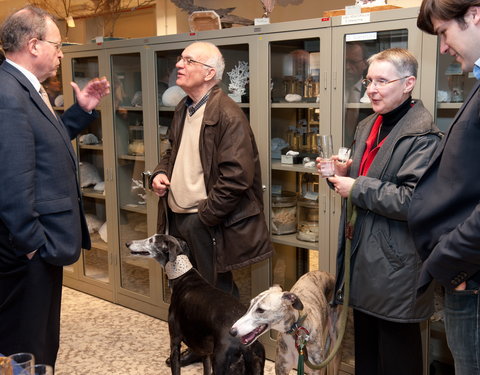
{"type": "Point", "coordinates": [226, 18]}
{"type": "Point", "coordinates": [267, 7]}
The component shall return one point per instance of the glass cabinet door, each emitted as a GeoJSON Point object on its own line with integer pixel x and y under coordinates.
{"type": "Point", "coordinates": [354, 44]}
{"type": "Point", "coordinates": [296, 120]}
{"type": "Point", "coordinates": [357, 49]}
{"type": "Point", "coordinates": [453, 85]}
{"type": "Point", "coordinates": [296, 96]}
{"type": "Point", "coordinates": [128, 122]}
{"type": "Point", "coordinates": [92, 170]}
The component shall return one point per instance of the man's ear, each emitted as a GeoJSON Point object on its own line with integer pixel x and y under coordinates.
{"type": "Point", "coordinates": [475, 12]}
{"type": "Point", "coordinates": [211, 74]}
{"type": "Point", "coordinates": [32, 46]}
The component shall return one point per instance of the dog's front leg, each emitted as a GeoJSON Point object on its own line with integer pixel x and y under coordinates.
{"type": "Point", "coordinates": [175, 344]}
{"type": "Point", "coordinates": [207, 365]}
{"type": "Point", "coordinates": [287, 356]}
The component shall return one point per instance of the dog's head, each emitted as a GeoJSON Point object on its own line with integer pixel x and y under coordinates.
{"type": "Point", "coordinates": [161, 247]}
{"type": "Point", "coordinates": [272, 308]}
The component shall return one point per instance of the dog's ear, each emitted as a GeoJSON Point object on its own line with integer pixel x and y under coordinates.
{"type": "Point", "coordinates": [176, 247]}
{"type": "Point", "coordinates": [275, 288]}
{"type": "Point", "coordinates": [183, 246]}
{"type": "Point", "coordinates": [293, 300]}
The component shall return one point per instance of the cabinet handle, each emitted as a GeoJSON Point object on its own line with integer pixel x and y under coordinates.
{"type": "Point", "coordinates": [264, 188]}
{"type": "Point", "coordinates": [324, 204]}
{"type": "Point", "coordinates": [334, 204]}
{"type": "Point", "coordinates": [325, 77]}
{"type": "Point", "coordinates": [334, 80]}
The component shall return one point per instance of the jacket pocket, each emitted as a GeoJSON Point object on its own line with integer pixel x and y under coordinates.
{"type": "Point", "coordinates": [242, 213]}
{"type": "Point", "coordinates": [53, 206]}
{"type": "Point", "coordinates": [389, 252]}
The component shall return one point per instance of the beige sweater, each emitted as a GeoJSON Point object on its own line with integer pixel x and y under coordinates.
{"type": "Point", "coordinates": [187, 185]}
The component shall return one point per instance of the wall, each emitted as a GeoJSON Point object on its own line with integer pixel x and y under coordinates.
{"type": "Point", "coordinates": [168, 19]}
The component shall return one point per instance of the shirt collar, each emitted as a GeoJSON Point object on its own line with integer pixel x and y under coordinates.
{"type": "Point", "coordinates": [192, 108]}
{"type": "Point", "coordinates": [30, 76]}
{"type": "Point", "coordinates": [476, 69]}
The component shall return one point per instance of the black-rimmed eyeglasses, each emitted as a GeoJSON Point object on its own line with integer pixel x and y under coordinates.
{"type": "Point", "coordinates": [190, 61]}
{"type": "Point", "coordinates": [379, 82]}
{"type": "Point", "coordinates": [58, 46]}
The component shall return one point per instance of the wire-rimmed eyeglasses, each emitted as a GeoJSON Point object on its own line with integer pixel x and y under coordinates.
{"type": "Point", "coordinates": [379, 82]}
{"type": "Point", "coordinates": [190, 61]}
{"type": "Point", "coordinates": [57, 45]}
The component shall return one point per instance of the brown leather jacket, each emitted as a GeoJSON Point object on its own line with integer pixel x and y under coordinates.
{"type": "Point", "coordinates": [231, 167]}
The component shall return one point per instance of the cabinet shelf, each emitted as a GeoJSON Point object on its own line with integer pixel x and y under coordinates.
{"type": "Point", "coordinates": [136, 261]}
{"type": "Point", "coordinates": [278, 166]}
{"type": "Point", "coordinates": [291, 240]}
{"type": "Point", "coordinates": [99, 245]}
{"type": "Point", "coordinates": [132, 157]}
{"type": "Point", "coordinates": [91, 193]}
{"type": "Point", "coordinates": [137, 208]}
{"type": "Point", "coordinates": [449, 105]}
{"type": "Point", "coordinates": [296, 105]}
{"type": "Point", "coordinates": [98, 147]}
{"type": "Point", "coordinates": [359, 105]}
{"type": "Point", "coordinates": [166, 109]}
{"type": "Point", "coordinates": [129, 108]}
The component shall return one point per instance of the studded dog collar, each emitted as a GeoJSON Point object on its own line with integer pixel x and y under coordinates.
{"type": "Point", "coordinates": [176, 269]}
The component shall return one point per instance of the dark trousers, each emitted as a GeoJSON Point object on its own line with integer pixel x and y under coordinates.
{"type": "Point", "coordinates": [30, 297]}
{"type": "Point", "coordinates": [202, 250]}
{"type": "Point", "coordinates": [386, 348]}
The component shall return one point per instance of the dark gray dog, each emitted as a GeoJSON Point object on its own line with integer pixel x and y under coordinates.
{"type": "Point", "coordinates": [200, 315]}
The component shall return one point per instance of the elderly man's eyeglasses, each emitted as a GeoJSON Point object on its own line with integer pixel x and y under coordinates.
{"type": "Point", "coordinates": [190, 61]}
{"type": "Point", "coordinates": [58, 46]}
{"type": "Point", "coordinates": [380, 82]}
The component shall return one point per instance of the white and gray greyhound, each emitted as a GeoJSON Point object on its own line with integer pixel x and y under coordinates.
{"type": "Point", "coordinates": [304, 313]}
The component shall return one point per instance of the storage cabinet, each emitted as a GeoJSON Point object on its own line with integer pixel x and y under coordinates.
{"type": "Point", "coordinates": [304, 80]}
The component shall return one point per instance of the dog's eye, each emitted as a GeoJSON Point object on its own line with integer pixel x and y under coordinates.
{"type": "Point", "coordinates": [260, 310]}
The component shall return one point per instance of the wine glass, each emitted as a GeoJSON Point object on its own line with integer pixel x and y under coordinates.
{"type": "Point", "coordinates": [43, 370]}
{"type": "Point", "coordinates": [325, 151]}
{"type": "Point", "coordinates": [343, 154]}
{"type": "Point", "coordinates": [23, 363]}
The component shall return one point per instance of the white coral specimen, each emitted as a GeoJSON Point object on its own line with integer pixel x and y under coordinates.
{"type": "Point", "coordinates": [238, 78]}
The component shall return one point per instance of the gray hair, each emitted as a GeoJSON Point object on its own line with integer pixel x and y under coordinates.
{"type": "Point", "coordinates": [403, 60]}
{"type": "Point", "coordinates": [23, 25]}
{"type": "Point", "coordinates": [215, 58]}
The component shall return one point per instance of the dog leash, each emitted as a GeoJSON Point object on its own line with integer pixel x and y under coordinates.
{"type": "Point", "coordinates": [302, 333]}
{"type": "Point", "coordinates": [165, 208]}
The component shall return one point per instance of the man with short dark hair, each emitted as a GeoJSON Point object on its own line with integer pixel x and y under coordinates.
{"type": "Point", "coordinates": [444, 215]}
{"type": "Point", "coordinates": [42, 225]}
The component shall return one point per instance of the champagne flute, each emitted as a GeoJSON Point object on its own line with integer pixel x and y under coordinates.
{"type": "Point", "coordinates": [325, 151]}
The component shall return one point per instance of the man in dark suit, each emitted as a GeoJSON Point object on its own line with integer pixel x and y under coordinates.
{"type": "Point", "coordinates": [444, 213]}
{"type": "Point", "coordinates": [42, 225]}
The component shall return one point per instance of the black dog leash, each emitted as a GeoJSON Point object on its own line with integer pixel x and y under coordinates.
{"type": "Point", "coordinates": [302, 334]}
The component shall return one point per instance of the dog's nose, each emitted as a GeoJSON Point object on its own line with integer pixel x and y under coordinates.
{"type": "Point", "coordinates": [233, 331]}
{"type": "Point", "coordinates": [127, 244]}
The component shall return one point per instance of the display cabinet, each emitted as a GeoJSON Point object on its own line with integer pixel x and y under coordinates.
{"type": "Point", "coordinates": [94, 272]}
{"type": "Point", "coordinates": [304, 81]}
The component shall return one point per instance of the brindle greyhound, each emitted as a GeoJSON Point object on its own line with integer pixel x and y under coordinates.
{"type": "Point", "coordinates": [302, 311]}
{"type": "Point", "coordinates": [200, 315]}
